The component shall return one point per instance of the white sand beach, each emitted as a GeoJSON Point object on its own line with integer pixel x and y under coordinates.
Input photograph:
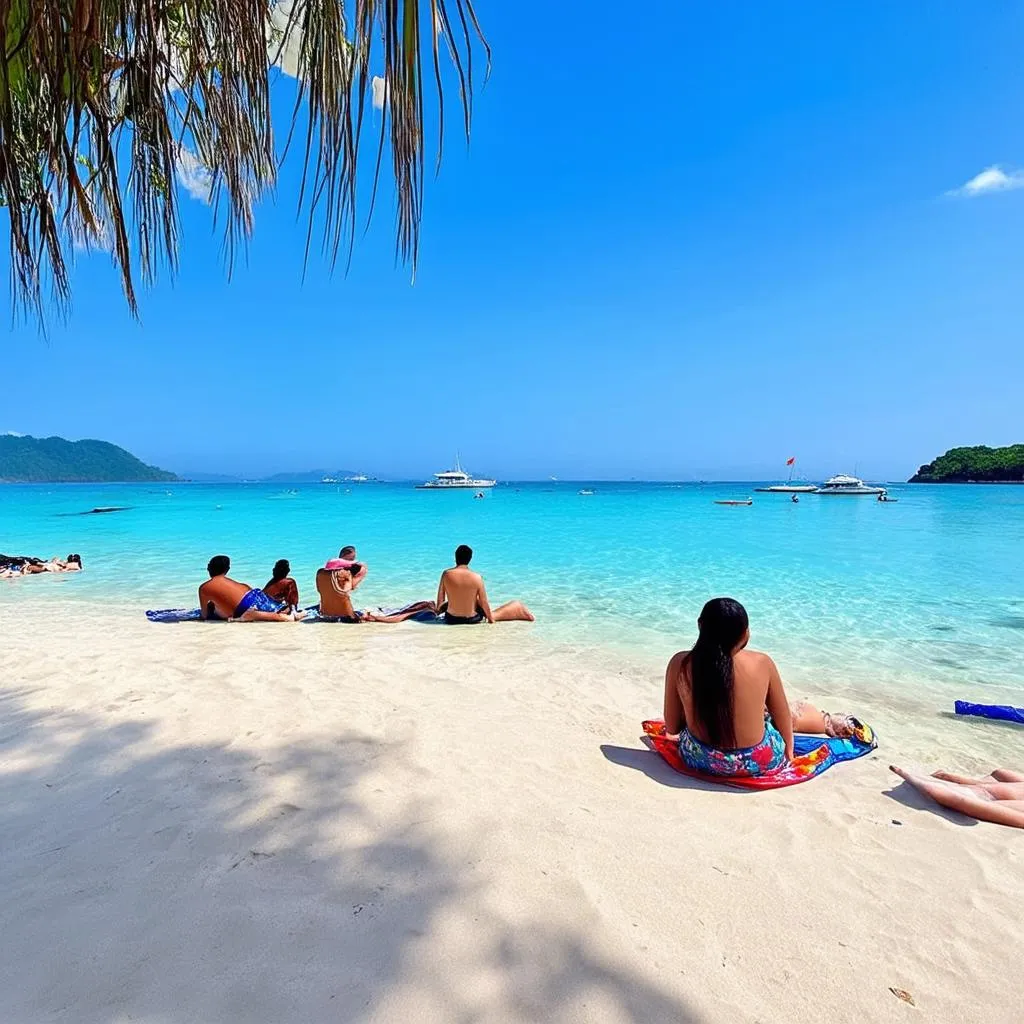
{"type": "Point", "coordinates": [296, 823]}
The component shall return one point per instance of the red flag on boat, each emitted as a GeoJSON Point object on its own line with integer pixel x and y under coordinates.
{"type": "Point", "coordinates": [789, 462]}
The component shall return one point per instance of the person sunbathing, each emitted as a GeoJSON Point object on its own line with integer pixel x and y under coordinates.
{"type": "Point", "coordinates": [462, 596]}
{"type": "Point", "coordinates": [335, 587]}
{"type": "Point", "coordinates": [726, 705]}
{"type": "Point", "coordinates": [348, 559]}
{"type": "Point", "coordinates": [33, 566]}
{"type": "Point", "coordinates": [281, 587]}
{"type": "Point", "coordinates": [221, 597]}
{"type": "Point", "coordinates": [998, 797]}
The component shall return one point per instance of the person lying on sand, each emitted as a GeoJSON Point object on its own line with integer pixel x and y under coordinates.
{"type": "Point", "coordinates": [462, 596]}
{"type": "Point", "coordinates": [727, 706]}
{"type": "Point", "coordinates": [223, 598]}
{"type": "Point", "coordinates": [73, 563]}
{"type": "Point", "coordinates": [281, 587]}
{"type": "Point", "coordinates": [998, 797]}
{"type": "Point", "coordinates": [335, 587]}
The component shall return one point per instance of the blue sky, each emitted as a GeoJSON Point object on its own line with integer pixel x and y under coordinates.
{"type": "Point", "coordinates": [684, 244]}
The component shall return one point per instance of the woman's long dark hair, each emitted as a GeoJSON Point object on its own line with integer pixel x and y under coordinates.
{"type": "Point", "coordinates": [281, 570]}
{"type": "Point", "coordinates": [722, 624]}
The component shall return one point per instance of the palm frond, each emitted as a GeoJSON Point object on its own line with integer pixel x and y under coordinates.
{"type": "Point", "coordinates": [106, 105]}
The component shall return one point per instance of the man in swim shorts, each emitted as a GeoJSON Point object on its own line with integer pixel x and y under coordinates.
{"type": "Point", "coordinates": [221, 597]}
{"type": "Point", "coordinates": [462, 596]}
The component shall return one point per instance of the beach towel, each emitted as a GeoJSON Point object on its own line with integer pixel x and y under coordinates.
{"type": "Point", "coordinates": [312, 615]}
{"type": "Point", "coordinates": [1000, 712]}
{"type": "Point", "coordinates": [812, 756]}
{"type": "Point", "coordinates": [176, 615]}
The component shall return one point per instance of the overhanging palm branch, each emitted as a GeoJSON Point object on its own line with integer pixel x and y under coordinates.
{"type": "Point", "coordinates": [106, 104]}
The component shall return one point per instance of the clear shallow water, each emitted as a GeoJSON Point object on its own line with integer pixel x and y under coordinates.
{"type": "Point", "coordinates": [923, 597]}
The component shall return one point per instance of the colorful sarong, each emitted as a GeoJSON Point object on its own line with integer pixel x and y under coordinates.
{"type": "Point", "coordinates": [812, 756]}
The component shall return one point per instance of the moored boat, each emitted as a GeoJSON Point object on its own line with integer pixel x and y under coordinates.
{"type": "Point", "coordinates": [454, 479]}
{"type": "Point", "coordinates": [843, 483]}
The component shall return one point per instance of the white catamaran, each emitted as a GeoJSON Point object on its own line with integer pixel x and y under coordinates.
{"type": "Point", "coordinates": [452, 479]}
{"type": "Point", "coordinates": [845, 484]}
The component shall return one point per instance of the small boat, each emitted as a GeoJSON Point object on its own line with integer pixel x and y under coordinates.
{"type": "Point", "coordinates": [845, 484]}
{"type": "Point", "coordinates": [734, 501]}
{"type": "Point", "coordinates": [452, 479]}
{"type": "Point", "coordinates": [788, 487]}
{"type": "Point", "coordinates": [585, 493]}
{"type": "Point", "coordinates": [479, 494]}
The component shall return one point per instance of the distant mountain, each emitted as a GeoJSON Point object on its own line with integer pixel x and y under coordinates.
{"type": "Point", "coordinates": [45, 460]}
{"type": "Point", "coordinates": [979, 464]}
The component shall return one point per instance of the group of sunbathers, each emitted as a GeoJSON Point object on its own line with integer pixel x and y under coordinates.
{"type": "Point", "coordinates": [461, 595]}
{"type": "Point", "coordinates": [17, 566]}
{"type": "Point", "coordinates": [726, 707]}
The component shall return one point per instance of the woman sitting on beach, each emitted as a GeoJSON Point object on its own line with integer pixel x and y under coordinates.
{"type": "Point", "coordinates": [334, 584]}
{"type": "Point", "coordinates": [727, 704]}
{"type": "Point", "coordinates": [282, 588]}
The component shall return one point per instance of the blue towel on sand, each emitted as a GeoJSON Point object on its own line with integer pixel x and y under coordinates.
{"type": "Point", "coordinates": [1001, 712]}
{"type": "Point", "coordinates": [176, 615]}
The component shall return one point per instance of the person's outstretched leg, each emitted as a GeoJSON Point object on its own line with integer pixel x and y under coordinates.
{"type": "Point", "coordinates": [513, 611]}
{"type": "Point", "coordinates": [1000, 803]}
{"type": "Point", "coordinates": [254, 615]}
{"type": "Point", "coordinates": [808, 719]}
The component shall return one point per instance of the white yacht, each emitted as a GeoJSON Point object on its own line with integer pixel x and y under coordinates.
{"type": "Point", "coordinates": [359, 478]}
{"type": "Point", "coordinates": [452, 479]}
{"type": "Point", "coordinates": [844, 484]}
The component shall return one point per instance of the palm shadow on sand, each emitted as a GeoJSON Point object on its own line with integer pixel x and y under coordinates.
{"type": "Point", "coordinates": [144, 881]}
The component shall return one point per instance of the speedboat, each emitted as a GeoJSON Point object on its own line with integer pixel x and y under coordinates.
{"type": "Point", "coordinates": [844, 484]}
{"type": "Point", "coordinates": [454, 479]}
{"type": "Point", "coordinates": [586, 492]}
{"type": "Point", "coordinates": [734, 501]}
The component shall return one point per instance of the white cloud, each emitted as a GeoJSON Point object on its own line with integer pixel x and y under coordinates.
{"type": "Point", "coordinates": [380, 89]}
{"type": "Point", "coordinates": [992, 179]}
{"type": "Point", "coordinates": [193, 175]}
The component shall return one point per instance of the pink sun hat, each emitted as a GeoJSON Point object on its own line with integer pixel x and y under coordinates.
{"type": "Point", "coordinates": [333, 564]}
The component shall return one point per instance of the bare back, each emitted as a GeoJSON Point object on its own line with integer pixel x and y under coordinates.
{"type": "Point", "coordinates": [753, 675]}
{"type": "Point", "coordinates": [464, 591]}
{"type": "Point", "coordinates": [335, 599]}
{"type": "Point", "coordinates": [223, 593]}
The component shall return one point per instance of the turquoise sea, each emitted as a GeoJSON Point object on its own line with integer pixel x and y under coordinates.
{"type": "Point", "coordinates": [924, 596]}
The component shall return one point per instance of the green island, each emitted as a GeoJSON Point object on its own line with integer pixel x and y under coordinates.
{"type": "Point", "coordinates": [978, 464]}
{"type": "Point", "coordinates": [52, 460]}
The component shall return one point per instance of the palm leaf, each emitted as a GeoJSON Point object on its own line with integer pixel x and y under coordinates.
{"type": "Point", "coordinates": [107, 105]}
